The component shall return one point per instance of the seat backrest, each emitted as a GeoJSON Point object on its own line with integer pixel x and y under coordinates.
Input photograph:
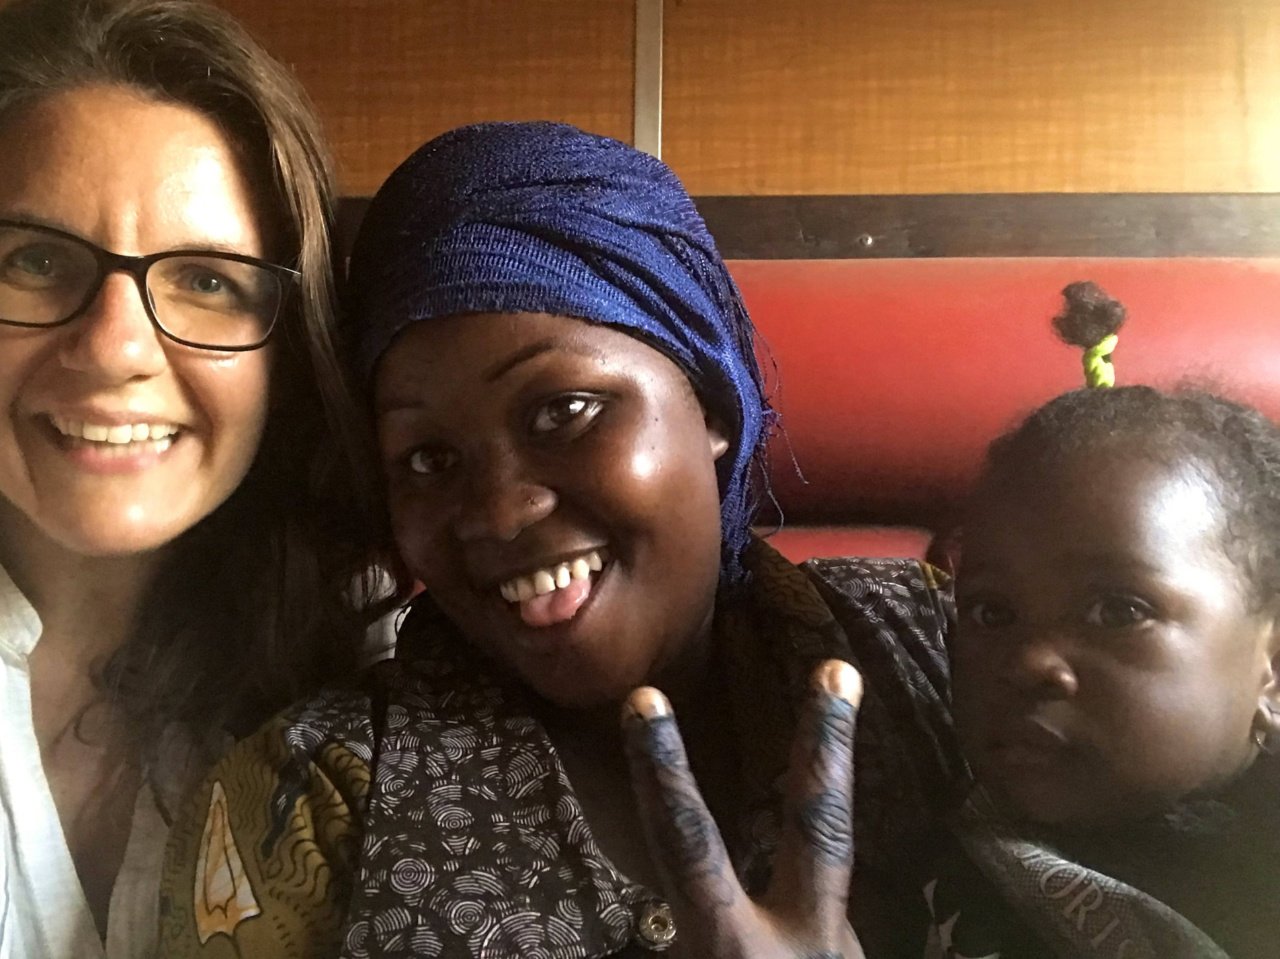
{"type": "Point", "coordinates": [894, 375]}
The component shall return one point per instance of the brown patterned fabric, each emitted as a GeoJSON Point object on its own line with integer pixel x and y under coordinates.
{"type": "Point", "coordinates": [426, 812]}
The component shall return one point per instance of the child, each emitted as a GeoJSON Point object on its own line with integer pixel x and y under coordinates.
{"type": "Point", "coordinates": [1115, 669]}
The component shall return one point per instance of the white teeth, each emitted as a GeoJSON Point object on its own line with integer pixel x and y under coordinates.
{"type": "Point", "coordinates": [122, 450]}
{"type": "Point", "coordinates": [543, 581]}
{"type": "Point", "coordinates": [120, 435]}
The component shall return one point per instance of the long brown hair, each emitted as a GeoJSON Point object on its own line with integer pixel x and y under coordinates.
{"type": "Point", "coordinates": [270, 594]}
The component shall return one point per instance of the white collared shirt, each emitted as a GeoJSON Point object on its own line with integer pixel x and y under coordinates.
{"type": "Point", "coordinates": [43, 910]}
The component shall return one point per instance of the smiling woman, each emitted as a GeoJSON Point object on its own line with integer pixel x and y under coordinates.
{"type": "Point", "coordinates": [134, 175]}
{"type": "Point", "coordinates": [571, 421]}
{"type": "Point", "coordinates": [535, 448]}
{"type": "Point", "coordinates": [164, 451]}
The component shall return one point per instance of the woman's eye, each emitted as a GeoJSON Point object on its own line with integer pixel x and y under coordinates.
{"type": "Point", "coordinates": [564, 411]}
{"type": "Point", "coordinates": [206, 283]}
{"type": "Point", "coordinates": [987, 614]}
{"type": "Point", "coordinates": [40, 262]}
{"type": "Point", "coordinates": [426, 461]}
{"type": "Point", "coordinates": [1117, 612]}
{"type": "Point", "coordinates": [35, 262]}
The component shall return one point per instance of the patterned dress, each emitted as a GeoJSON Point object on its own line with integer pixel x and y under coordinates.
{"type": "Point", "coordinates": [424, 812]}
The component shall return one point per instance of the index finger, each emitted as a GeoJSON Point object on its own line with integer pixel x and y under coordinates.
{"type": "Point", "coordinates": [683, 836]}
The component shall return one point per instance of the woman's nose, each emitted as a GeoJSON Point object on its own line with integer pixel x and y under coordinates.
{"type": "Point", "coordinates": [500, 500]}
{"type": "Point", "coordinates": [114, 340]}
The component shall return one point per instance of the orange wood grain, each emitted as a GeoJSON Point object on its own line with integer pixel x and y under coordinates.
{"type": "Point", "coordinates": [388, 74]}
{"type": "Point", "coordinates": [820, 96]}
{"type": "Point", "coordinates": [923, 96]}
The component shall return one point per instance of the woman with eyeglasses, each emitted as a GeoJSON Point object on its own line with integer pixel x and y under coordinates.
{"type": "Point", "coordinates": [181, 506]}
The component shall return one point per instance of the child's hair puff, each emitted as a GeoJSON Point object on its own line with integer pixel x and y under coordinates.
{"type": "Point", "coordinates": [1089, 316]}
{"type": "Point", "coordinates": [1235, 446]}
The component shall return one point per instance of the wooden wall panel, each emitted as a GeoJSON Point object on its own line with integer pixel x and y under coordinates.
{"type": "Point", "coordinates": [821, 96]}
{"type": "Point", "coordinates": [388, 74]}
{"type": "Point", "coordinates": [941, 96]}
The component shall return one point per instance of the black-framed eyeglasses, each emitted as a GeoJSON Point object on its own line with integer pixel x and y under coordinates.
{"type": "Point", "coordinates": [206, 299]}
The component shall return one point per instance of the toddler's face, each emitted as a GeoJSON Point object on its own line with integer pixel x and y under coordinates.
{"type": "Point", "coordinates": [1107, 661]}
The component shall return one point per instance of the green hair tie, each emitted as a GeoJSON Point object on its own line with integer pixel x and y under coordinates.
{"type": "Point", "coordinates": [1098, 370]}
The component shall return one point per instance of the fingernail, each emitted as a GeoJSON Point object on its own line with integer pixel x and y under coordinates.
{"type": "Point", "coordinates": [647, 703]}
{"type": "Point", "coordinates": [841, 680]}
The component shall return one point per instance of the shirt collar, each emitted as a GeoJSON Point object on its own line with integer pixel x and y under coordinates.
{"type": "Point", "coordinates": [19, 622]}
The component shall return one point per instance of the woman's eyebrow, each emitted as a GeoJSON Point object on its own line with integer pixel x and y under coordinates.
{"type": "Point", "coordinates": [195, 246]}
{"type": "Point", "coordinates": [20, 215]}
{"type": "Point", "coordinates": [396, 402]}
{"type": "Point", "coordinates": [505, 366]}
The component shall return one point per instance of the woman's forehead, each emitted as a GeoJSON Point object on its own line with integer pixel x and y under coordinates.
{"type": "Point", "coordinates": [483, 349]}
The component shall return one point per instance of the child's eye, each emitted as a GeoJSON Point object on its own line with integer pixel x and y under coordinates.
{"type": "Point", "coordinates": [987, 614]}
{"type": "Point", "coordinates": [573, 409]}
{"type": "Point", "coordinates": [1117, 612]}
{"type": "Point", "coordinates": [430, 460]}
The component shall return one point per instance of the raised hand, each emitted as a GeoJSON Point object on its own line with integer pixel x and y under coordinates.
{"type": "Point", "coordinates": [803, 915]}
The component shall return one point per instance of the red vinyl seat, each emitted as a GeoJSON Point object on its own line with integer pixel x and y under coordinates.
{"type": "Point", "coordinates": [892, 376]}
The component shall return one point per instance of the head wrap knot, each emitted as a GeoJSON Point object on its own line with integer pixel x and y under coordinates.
{"type": "Point", "coordinates": [544, 218]}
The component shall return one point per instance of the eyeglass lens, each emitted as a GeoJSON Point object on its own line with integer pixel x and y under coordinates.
{"type": "Point", "coordinates": [46, 278]}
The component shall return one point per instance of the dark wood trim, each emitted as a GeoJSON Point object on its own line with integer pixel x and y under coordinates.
{"type": "Point", "coordinates": [979, 224]}
{"type": "Point", "coordinates": [994, 224]}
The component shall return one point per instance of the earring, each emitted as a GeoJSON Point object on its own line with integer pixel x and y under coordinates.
{"type": "Point", "coordinates": [1263, 727]}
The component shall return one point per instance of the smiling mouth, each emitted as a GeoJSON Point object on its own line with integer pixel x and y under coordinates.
{"type": "Point", "coordinates": [554, 594]}
{"type": "Point", "coordinates": [120, 439]}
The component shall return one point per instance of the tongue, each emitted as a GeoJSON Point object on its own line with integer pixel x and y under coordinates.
{"type": "Point", "coordinates": [556, 606]}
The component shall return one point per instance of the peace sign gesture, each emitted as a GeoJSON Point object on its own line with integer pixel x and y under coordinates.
{"type": "Point", "coordinates": [803, 915]}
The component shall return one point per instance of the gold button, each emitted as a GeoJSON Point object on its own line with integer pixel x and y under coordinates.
{"type": "Point", "coordinates": [657, 926]}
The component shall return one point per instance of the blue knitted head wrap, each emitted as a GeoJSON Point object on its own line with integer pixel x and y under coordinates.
{"type": "Point", "coordinates": [545, 218]}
